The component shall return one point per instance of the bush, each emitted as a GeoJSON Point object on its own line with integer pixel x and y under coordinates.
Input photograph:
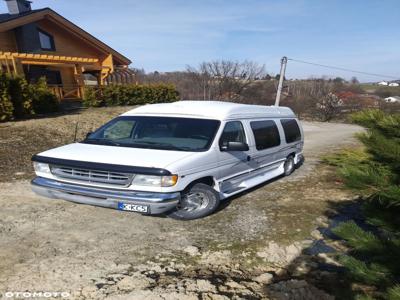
{"type": "Point", "coordinates": [19, 99]}
{"type": "Point", "coordinates": [43, 100]}
{"type": "Point", "coordinates": [6, 106]}
{"type": "Point", "coordinates": [92, 98]}
{"type": "Point", "coordinates": [20, 95]}
{"type": "Point", "coordinates": [113, 95]}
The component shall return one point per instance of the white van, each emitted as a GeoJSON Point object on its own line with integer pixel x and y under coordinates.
{"type": "Point", "coordinates": [179, 158]}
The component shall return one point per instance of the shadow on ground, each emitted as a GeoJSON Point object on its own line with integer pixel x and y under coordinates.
{"type": "Point", "coordinates": [316, 264]}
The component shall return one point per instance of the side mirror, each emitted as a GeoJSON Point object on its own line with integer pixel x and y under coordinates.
{"type": "Point", "coordinates": [235, 146]}
{"type": "Point", "coordinates": [88, 134]}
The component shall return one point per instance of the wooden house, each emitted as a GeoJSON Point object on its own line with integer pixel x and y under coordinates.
{"type": "Point", "coordinates": [37, 43]}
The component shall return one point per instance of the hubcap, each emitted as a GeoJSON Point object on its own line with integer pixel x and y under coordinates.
{"type": "Point", "coordinates": [289, 165]}
{"type": "Point", "coordinates": [194, 201]}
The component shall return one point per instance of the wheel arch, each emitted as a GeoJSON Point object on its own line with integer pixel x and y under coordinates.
{"type": "Point", "coordinates": [208, 180]}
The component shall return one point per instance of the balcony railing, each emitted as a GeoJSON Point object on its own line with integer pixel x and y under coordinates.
{"type": "Point", "coordinates": [72, 91]}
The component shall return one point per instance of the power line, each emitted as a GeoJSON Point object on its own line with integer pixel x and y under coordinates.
{"type": "Point", "coordinates": [343, 69]}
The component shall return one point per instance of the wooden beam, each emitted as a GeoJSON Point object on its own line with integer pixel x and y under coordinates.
{"type": "Point", "coordinates": [14, 65]}
{"type": "Point", "coordinates": [46, 57]}
{"type": "Point", "coordinates": [8, 66]}
{"type": "Point", "coordinates": [46, 63]}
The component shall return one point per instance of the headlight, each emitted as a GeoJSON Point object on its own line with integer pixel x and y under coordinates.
{"type": "Point", "coordinates": [41, 168]}
{"type": "Point", "coordinates": [149, 180]}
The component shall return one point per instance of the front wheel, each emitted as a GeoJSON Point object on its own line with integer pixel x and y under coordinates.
{"type": "Point", "coordinates": [198, 201]}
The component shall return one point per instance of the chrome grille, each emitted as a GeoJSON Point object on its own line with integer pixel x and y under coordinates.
{"type": "Point", "coordinates": [92, 176]}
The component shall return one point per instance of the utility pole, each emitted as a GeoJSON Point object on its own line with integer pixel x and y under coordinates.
{"type": "Point", "coordinates": [281, 78]}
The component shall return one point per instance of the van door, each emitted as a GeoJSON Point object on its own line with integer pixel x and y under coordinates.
{"type": "Point", "coordinates": [267, 153]}
{"type": "Point", "coordinates": [233, 165]}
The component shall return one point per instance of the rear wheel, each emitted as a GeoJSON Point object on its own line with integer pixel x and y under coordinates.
{"type": "Point", "coordinates": [289, 165]}
{"type": "Point", "coordinates": [198, 201]}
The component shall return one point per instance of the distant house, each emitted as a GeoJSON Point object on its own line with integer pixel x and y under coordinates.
{"type": "Point", "coordinates": [383, 83]}
{"type": "Point", "coordinates": [42, 43]}
{"type": "Point", "coordinates": [393, 99]}
{"type": "Point", "coordinates": [394, 84]}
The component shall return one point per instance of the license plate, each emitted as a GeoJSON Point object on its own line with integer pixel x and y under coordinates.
{"type": "Point", "coordinates": [133, 207]}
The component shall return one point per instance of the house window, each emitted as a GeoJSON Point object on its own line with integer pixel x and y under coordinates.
{"type": "Point", "coordinates": [46, 41]}
{"type": "Point", "coordinates": [266, 134]}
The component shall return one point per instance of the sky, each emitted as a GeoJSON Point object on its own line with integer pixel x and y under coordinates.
{"type": "Point", "coordinates": [168, 35]}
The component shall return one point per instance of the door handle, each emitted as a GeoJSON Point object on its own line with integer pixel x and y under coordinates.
{"type": "Point", "coordinates": [248, 158]}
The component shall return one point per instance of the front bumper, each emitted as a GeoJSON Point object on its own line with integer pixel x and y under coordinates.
{"type": "Point", "coordinates": [157, 202]}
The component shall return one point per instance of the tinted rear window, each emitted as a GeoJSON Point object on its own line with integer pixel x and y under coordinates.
{"type": "Point", "coordinates": [266, 134]}
{"type": "Point", "coordinates": [291, 129]}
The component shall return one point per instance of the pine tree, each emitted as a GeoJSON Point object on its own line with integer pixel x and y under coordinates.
{"type": "Point", "coordinates": [374, 258]}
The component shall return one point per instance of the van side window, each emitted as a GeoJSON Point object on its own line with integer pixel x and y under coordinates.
{"type": "Point", "coordinates": [266, 134]}
{"type": "Point", "coordinates": [291, 129]}
{"type": "Point", "coordinates": [233, 132]}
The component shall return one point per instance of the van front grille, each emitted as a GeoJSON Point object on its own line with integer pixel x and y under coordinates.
{"type": "Point", "coordinates": [92, 176]}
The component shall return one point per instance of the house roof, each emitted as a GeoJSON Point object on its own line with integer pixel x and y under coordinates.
{"type": "Point", "coordinates": [212, 110]}
{"type": "Point", "coordinates": [8, 22]}
{"type": "Point", "coordinates": [8, 17]}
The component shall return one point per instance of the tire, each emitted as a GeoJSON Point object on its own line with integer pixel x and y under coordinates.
{"type": "Point", "coordinates": [289, 165]}
{"type": "Point", "coordinates": [198, 201]}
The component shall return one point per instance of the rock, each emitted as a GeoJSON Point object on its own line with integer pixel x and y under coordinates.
{"type": "Point", "coordinates": [292, 251]}
{"type": "Point", "coordinates": [264, 278]}
{"type": "Point", "coordinates": [210, 296]}
{"type": "Point", "coordinates": [200, 285]}
{"type": "Point", "coordinates": [136, 282]}
{"type": "Point", "coordinates": [252, 285]}
{"type": "Point", "coordinates": [137, 295]}
{"type": "Point", "coordinates": [90, 291]}
{"type": "Point", "coordinates": [192, 250]}
{"type": "Point", "coordinates": [307, 243]}
{"type": "Point", "coordinates": [234, 285]}
{"type": "Point", "coordinates": [216, 258]}
{"type": "Point", "coordinates": [316, 234]}
{"type": "Point", "coordinates": [179, 296]}
{"type": "Point", "coordinates": [280, 255]}
{"type": "Point", "coordinates": [322, 221]}
{"type": "Point", "coordinates": [328, 260]}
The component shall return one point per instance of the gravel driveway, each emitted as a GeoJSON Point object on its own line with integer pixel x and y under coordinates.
{"type": "Point", "coordinates": [54, 245]}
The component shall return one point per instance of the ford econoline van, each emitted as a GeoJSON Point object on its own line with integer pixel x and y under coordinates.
{"type": "Point", "coordinates": [179, 158]}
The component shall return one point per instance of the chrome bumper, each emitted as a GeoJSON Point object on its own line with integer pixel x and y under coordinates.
{"type": "Point", "coordinates": [157, 202]}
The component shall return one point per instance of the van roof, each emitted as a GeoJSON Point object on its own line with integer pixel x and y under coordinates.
{"type": "Point", "coordinates": [213, 110]}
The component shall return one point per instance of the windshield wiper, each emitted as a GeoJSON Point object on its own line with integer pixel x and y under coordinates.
{"type": "Point", "coordinates": [164, 146]}
{"type": "Point", "coordinates": [102, 141]}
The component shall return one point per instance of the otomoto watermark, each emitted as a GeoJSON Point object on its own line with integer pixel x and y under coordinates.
{"type": "Point", "coordinates": [35, 294]}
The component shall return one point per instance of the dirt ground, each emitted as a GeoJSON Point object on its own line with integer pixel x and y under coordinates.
{"type": "Point", "coordinates": [93, 253]}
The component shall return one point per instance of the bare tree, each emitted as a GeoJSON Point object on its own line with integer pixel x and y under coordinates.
{"type": "Point", "coordinates": [225, 79]}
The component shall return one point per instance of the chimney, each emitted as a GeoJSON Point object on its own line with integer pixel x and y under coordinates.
{"type": "Point", "coordinates": [16, 7]}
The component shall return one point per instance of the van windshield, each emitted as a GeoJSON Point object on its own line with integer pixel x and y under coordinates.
{"type": "Point", "coordinates": [164, 133]}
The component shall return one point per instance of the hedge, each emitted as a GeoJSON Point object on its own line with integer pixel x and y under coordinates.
{"type": "Point", "coordinates": [18, 99]}
{"type": "Point", "coordinates": [113, 95]}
